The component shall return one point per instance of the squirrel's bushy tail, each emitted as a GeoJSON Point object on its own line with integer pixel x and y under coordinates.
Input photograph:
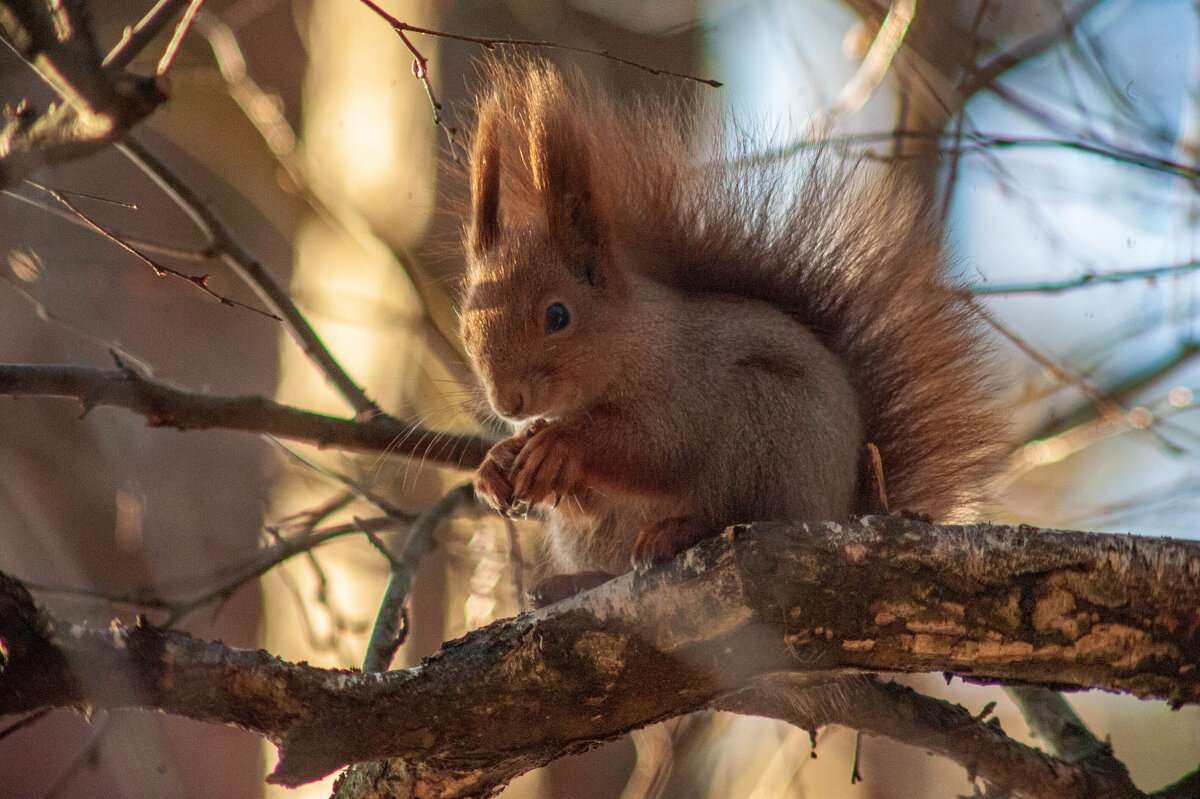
{"type": "Point", "coordinates": [849, 250]}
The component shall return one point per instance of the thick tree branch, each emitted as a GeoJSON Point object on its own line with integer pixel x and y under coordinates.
{"type": "Point", "coordinates": [166, 406]}
{"type": "Point", "coordinates": [989, 603]}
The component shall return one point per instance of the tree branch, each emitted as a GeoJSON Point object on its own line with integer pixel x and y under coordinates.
{"type": "Point", "coordinates": [166, 406]}
{"type": "Point", "coordinates": [895, 711]}
{"type": "Point", "coordinates": [990, 603]}
{"type": "Point", "coordinates": [98, 106]}
{"type": "Point", "coordinates": [223, 244]}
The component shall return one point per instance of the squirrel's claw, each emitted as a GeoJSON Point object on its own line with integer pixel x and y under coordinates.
{"type": "Point", "coordinates": [546, 469]}
{"type": "Point", "coordinates": [494, 478]}
{"type": "Point", "coordinates": [492, 485]}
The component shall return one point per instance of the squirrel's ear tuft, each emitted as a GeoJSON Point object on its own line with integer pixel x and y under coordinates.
{"type": "Point", "coordinates": [485, 184]}
{"type": "Point", "coordinates": [561, 160]}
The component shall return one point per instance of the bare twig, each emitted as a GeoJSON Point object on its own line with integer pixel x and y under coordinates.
{"type": "Point", "coordinates": [264, 560]}
{"type": "Point", "coordinates": [385, 637]}
{"type": "Point", "coordinates": [98, 106]}
{"type": "Point", "coordinates": [353, 488]}
{"type": "Point", "coordinates": [135, 39]}
{"type": "Point", "coordinates": [1148, 274]}
{"type": "Point", "coordinates": [199, 281]}
{"type": "Point", "coordinates": [492, 43]}
{"type": "Point", "coordinates": [86, 754]}
{"type": "Point", "coordinates": [25, 721]}
{"type": "Point", "coordinates": [1065, 735]}
{"type": "Point", "coordinates": [979, 142]}
{"type": "Point", "coordinates": [874, 66]}
{"type": "Point", "coordinates": [181, 30]}
{"type": "Point", "coordinates": [265, 113]}
{"type": "Point", "coordinates": [1129, 389]}
{"type": "Point", "coordinates": [45, 314]}
{"type": "Point", "coordinates": [157, 248]}
{"type": "Point", "coordinates": [986, 75]}
{"type": "Point", "coordinates": [223, 244]}
{"type": "Point", "coordinates": [1106, 406]}
{"type": "Point", "coordinates": [262, 109]}
{"type": "Point", "coordinates": [420, 70]}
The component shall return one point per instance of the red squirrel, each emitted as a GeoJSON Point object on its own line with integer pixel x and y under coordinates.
{"type": "Point", "coordinates": [684, 343]}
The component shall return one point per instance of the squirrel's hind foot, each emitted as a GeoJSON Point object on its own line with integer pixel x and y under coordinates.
{"type": "Point", "coordinates": [662, 540]}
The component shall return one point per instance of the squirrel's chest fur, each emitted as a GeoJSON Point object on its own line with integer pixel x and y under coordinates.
{"type": "Point", "coordinates": [754, 417]}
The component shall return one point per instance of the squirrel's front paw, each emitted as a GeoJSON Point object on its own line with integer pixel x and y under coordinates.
{"type": "Point", "coordinates": [494, 478]}
{"type": "Point", "coordinates": [547, 468]}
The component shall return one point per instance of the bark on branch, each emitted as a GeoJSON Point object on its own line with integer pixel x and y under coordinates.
{"type": "Point", "coordinates": [991, 603]}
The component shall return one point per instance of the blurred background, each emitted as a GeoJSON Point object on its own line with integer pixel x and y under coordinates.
{"type": "Point", "coordinates": [1058, 138]}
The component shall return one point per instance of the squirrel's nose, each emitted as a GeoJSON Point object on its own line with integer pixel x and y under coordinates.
{"type": "Point", "coordinates": [509, 402]}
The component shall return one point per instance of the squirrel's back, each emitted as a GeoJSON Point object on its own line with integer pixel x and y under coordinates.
{"type": "Point", "coordinates": [850, 252]}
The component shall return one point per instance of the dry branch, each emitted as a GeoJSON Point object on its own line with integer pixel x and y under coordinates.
{"type": "Point", "coordinates": [990, 603]}
{"type": "Point", "coordinates": [98, 105]}
{"type": "Point", "coordinates": [167, 406]}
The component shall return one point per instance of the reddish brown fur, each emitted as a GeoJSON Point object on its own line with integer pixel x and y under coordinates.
{"type": "Point", "coordinates": [610, 211]}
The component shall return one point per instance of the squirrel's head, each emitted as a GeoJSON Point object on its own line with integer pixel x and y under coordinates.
{"type": "Point", "coordinates": [544, 300]}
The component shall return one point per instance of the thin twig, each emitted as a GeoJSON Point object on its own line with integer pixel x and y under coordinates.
{"type": "Point", "coordinates": [340, 624]}
{"type": "Point", "coordinates": [354, 488]}
{"type": "Point", "coordinates": [223, 244]}
{"type": "Point", "coordinates": [895, 711]}
{"type": "Point", "coordinates": [25, 721]}
{"type": "Point", "coordinates": [263, 561]}
{"type": "Point", "coordinates": [1107, 407]}
{"type": "Point", "coordinates": [157, 248]}
{"type": "Point", "coordinates": [1148, 274]}
{"type": "Point", "coordinates": [181, 30]}
{"type": "Point", "coordinates": [262, 108]}
{"type": "Point", "coordinates": [981, 142]}
{"type": "Point", "coordinates": [135, 39]}
{"type": "Point", "coordinates": [960, 118]}
{"type": "Point", "coordinates": [97, 107]}
{"type": "Point", "coordinates": [85, 755]}
{"type": "Point", "coordinates": [46, 315]}
{"type": "Point", "coordinates": [199, 281]}
{"type": "Point", "coordinates": [986, 75]}
{"type": "Point", "coordinates": [382, 549]}
{"type": "Point", "coordinates": [491, 43]}
{"type": "Point", "coordinates": [421, 72]}
{"type": "Point", "coordinates": [873, 69]}
{"type": "Point", "coordinates": [385, 637]}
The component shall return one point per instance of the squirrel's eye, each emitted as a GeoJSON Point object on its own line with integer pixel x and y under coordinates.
{"type": "Point", "coordinates": [557, 317]}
